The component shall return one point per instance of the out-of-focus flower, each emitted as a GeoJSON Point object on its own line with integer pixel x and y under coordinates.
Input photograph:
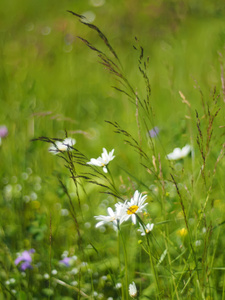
{"type": "Point", "coordinates": [89, 16]}
{"type": "Point", "coordinates": [179, 153]}
{"type": "Point", "coordinates": [130, 209]}
{"type": "Point", "coordinates": [118, 285]}
{"type": "Point", "coordinates": [198, 243]}
{"type": "Point", "coordinates": [182, 232]}
{"type": "Point", "coordinates": [66, 261]}
{"type": "Point", "coordinates": [145, 230]}
{"type": "Point", "coordinates": [132, 290]}
{"type": "Point", "coordinates": [154, 132]}
{"type": "Point", "coordinates": [3, 132]}
{"type": "Point", "coordinates": [46, 276]}
{"type": "Point", "coordinates": [12, 280]}
{"type": "Point", "coordinates": [26, 259]}
{"type": "Point", "coordinates": [102, 161]}
{"type": "Point", "coordinates": [63, 146]}
{"type": "Point", "coordinates": [97, 3]}
{"type": "Point", "coordinates": [112, 217]}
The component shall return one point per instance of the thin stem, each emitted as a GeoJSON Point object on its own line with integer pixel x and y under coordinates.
{"type": "Point", "coordinates": [126, 265]}
{"type": "Point", "coordinates": [118, 253]}
{"type": "Point", "coordinates": [153, 267]}
{"type": "Point", "coordinates": [223, 295]}
{"type": "Point", "coordinates": [110, 174]}
{"type": "Point", "coordinates": [169, 259]}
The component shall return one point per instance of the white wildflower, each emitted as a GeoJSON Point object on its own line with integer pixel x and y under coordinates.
{"type": "Point", "coordinates": [132, 290]}
{"type": "Point", "coordinates": [46, 276]}
{"type": "Point", "coordinates": [112, 217]}
{"type": "Point", "coordinates": [102, 161]}
{"type": "Point", "coordinates": [62, 146]}
{"type": "Point", "coordinates": [179, 153]}
{"type": "Point", "coordinates": [118, 285]}
{"type": "Point", "coordinates": [146, 229]}
{"type": "Point", "coordinates": [131, 208]}
{"type": "Point", "coordinates": [198, 243]}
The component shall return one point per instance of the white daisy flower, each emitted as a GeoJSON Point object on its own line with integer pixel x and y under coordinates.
{"type": "Point", "coordinates": [120, 209]}
{"type": "Point", "coordinates": [132, 290]}
{"type": "Point", "coordinates": [112, 217]}
{"type": "Point", "coordinates": [62, 146]}
{"type": "Point", "coordinates": [131, 208]}
{"type": "Point", "coordinates": [179, 153]}
{"type": "Point", "coordinates": [145, 230]}
{"type": "Point", "coordinates": [102, 161]}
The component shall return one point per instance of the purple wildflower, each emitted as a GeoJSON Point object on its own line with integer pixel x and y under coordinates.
{"type": "Point", "coordinates": [26, 260]}
{"type": "Point", "coordinates": [154, 132]}
{"type": "Point", "coordinates": [25, 265]}
{"type": "Point", "coordinates": [66, 261]}
{"type": "Point", "coordinates": [3, 131]}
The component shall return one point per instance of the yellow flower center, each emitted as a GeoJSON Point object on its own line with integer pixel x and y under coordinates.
{"type": "Point", "coordinates": [62, 148]}
{"type": "Point", "coordinates": [132, 209]}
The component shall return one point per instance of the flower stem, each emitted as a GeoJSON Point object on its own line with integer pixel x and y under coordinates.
{"type": "Point", "coordinates": [153, 267]}
{"type": "Point", "coordinates": [126, 265]}
{"type": "Point", "coordinates": [110, 174]}
{"type": "Point", "coordinates": [118, 251]}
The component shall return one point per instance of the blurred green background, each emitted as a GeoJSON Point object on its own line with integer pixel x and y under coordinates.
{"type": "Point", "coordinates": [50, 81]}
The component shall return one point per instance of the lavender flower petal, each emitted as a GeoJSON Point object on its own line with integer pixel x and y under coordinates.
{"type": "Point", "coordinates": [3, 131]}
{"type": "Point", "coordinates": [154, 132]}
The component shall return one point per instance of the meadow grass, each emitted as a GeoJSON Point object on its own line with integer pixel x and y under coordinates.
{"type": "Point", "coordinates": [159, 86]}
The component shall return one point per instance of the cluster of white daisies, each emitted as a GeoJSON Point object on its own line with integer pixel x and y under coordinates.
{"type": "Point", "coordinates": [124, 211]}
{"type": "Point", "coordinates": [128, 209]}
{"type": "Point", "coordinates": [105, 158]}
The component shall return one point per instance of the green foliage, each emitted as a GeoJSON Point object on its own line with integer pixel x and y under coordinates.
{"type": "Point", "coordinates": [161, 64]}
